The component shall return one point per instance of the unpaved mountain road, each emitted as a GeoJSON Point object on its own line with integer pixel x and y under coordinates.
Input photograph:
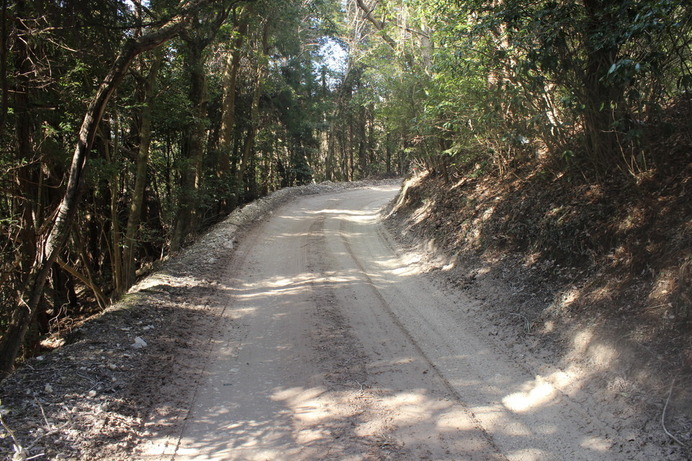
{"type": "Point", "coordinates": [333, 345]}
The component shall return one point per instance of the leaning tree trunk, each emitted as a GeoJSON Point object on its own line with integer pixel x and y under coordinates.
{"type": "Point", "coordinates": [49, 247]}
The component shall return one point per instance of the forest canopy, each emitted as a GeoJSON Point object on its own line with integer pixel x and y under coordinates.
{"type": "Point", "coordinates": [127, 127]}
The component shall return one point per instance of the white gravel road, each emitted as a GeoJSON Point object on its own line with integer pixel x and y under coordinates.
{"type": "Point", "coordinates": [337, 347]}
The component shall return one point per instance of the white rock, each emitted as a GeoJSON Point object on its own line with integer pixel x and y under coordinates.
{"type": "Point", "coordinates": [139, 343]}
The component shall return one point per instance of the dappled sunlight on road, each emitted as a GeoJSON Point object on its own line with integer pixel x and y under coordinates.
{"type": "Point", "coordinates": [314, 423]}
{"type": "Point", "coordinates": [533, 395]}
{"type": "Point", "coordinates": [342, 350]}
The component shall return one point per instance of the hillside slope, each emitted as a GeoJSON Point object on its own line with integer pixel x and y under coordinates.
{"type": "Point", "coordinates": [593, 279]}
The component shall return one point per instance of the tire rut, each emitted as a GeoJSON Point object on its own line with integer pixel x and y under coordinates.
{"type": "Point", "coordinates": [386, 308]}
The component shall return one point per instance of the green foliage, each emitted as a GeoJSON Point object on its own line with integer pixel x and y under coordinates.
{"type": "Point", "coordinates": [517, 76]}
{"type": "Point", "coordinates": [477, 86]}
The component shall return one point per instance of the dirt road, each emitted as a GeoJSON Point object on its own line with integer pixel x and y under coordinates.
{"type": "Point", "coordinates": [335, 346]}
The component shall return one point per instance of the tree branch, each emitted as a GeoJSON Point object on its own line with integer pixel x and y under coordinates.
{"type": "Point", "coordinates": [379, 25]}
{"type": "Point", "coordinates": [50, 247]}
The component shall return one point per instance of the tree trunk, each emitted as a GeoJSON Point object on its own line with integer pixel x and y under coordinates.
{"type": "Point", "coordinates": [362, 143]}
{"type": "Point", "coordinates": [245, 169]}
{"type": "Point", "coordinates": [388, 152]}
{"type": "Point", "coordinates": [4, 47]}
{"type": "Point", "coordinates": [114, 190]}
{"type": "Point", "coordinates": [142, 162]}
{"type": "Point", "coordinates": [230, 79]}
{"type": "Point", "coordinates": [196, 40]}
{"type": "Point", "coordinates": [193, 143]}
{"type": "Point", "coordinates": [351, 148]}
{"type": "Point", "coordinates": [28, 174]}
{"type": "Point", "coordinates": [601, 99]}
{"type": "Point", "coordinates": [49, 247]}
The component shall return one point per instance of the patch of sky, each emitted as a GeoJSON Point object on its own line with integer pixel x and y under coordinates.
{"type": "Point", "coordinates": [331, 56]}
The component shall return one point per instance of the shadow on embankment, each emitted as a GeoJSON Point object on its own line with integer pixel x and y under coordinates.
{"type": "Point", "coordinates": [594, 276]}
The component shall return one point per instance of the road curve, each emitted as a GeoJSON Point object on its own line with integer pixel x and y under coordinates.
{"type": "Point", "coordinates": [338, 348]}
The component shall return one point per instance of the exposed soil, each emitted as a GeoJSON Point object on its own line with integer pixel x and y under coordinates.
{"type": "Point", "coordinates": [97, 395]}
{"type": "Point", "coordinates": [589, 277]}
{"type": "Point", "coordinates": [125, 381]}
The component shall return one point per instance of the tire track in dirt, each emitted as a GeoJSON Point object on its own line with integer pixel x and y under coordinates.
{"type": "Point", "coordinates": [527, 416]}
{"type": "Point", "coordinates": [341, 348]}
{"type": "Point", "coordinates": [395, 320]}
